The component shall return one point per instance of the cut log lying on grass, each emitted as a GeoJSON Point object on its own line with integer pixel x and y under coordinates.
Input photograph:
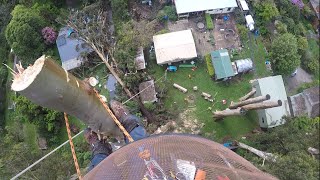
{"type": "Point", "coordinates": [49, 85]}
{"type": "Point", "coordinates": [264, 155]}
{"type": "Point", "coordinates": [229, 112]}
{"type": "Point", "coordinates": [182, 89]}
{"type": "Point", "coordinates": [206, 95]}
{"type": "Point", "coordinates": [313, 151]}
{"type": "Point", "coordinates": [250, 94]}
{"type": "Point", "coordinates": [249, 101]}
{"type": "Point", "coordinates": [166, 127]}
{"type": "Point", "coordinates": [263, 105]}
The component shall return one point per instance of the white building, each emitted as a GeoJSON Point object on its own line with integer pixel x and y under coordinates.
{"type": "Point", "coordinates": [185, 7]}
{"type": "Point", "coordinates": [174, 47]}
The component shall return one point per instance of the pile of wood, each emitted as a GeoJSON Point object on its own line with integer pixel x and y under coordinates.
{"type": "Point", "coordinates": [247, 103]}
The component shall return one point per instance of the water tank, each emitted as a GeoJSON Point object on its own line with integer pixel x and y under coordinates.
{"type": "Point", "coordinates": [244, 65]}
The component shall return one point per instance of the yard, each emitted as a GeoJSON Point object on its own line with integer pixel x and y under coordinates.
{"type": "Point", "coordinates": [231, 127]}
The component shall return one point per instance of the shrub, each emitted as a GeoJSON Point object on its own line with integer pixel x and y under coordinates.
{"type": "Point", "coordinates": [49, 35]}
{"type": "Point", "coordinates": [281, 27]}
{"type": "Point", "coordinates": [243, 32]}
{"type": "Point", "coordinates": [209, 65]}
{"type": "Point", "coordinates": [168, 11]}
{"type": "Point", "coordinates": [209, 22]}
{"type": "Point", "coordinates": [310, 62]}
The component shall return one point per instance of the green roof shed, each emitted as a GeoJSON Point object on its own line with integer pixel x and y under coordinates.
{"type": "Point", "coordinates": [222, 64]}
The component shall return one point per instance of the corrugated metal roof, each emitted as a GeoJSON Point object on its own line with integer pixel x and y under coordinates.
{"type": "Point", "coordinates": [174, 47]}
{"type": "Point", "coordinates": [149, 92]}
{"type": "Point", "coordinates": [273, 86]}
{"type": "Point", "coordinates": [139, 60]}
{"type": "Point", "coordinates": [187, 6]}
{"type": "Point", "coordinates": [222, 64]}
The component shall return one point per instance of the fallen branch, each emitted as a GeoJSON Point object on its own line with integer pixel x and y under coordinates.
{"type": "Point", "coordinates": [249, 101]}
{"type": "Point", "coordinates": [264, 155]}
{"type": "Point", "coordinates": [250, 94]}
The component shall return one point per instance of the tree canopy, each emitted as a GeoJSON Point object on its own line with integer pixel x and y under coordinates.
{"type": "Point", "coordinates": [284, 54]}
{"type": "Point", "coordinates": [23, 33]}
{"type": "Point", "coordinates": [267, 10]}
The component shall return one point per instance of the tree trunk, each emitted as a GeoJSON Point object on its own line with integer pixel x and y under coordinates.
{"type": "Point", "coordinates": [48, 85]}
{"type": "Point", "coordinates": [249, 101]}
{"type": "Point", "coordinates": [264, 155]}
{"type": "Point", "coordinates": [263, 105]}
{"type": "Point", "coordinates": [228, 112]}
{"type": "Point", "coordinates": [144, 111]}
{"type": "Point", "coordinates": [250, 94]}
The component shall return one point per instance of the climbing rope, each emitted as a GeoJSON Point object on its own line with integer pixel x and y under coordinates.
{"type": "Point", "coordinates": [72, 147]}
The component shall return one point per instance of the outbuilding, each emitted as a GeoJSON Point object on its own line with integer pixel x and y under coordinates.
{"type": "Point", "coordinates": [222, 64]}
{"type": "Point", "coordinates": [148, 92]}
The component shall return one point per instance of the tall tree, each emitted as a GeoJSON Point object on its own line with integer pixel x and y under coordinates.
{"type": "Point", "coordinates": [94, 27]}
{"type": "Point", "coordinates": [284, 54]}
{"type": "Point", "coordinates": [267, 10]}
{"type": "Point", "coordinates": [23, 33]}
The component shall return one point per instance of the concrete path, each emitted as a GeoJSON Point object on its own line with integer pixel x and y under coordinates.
{"type": "Point", "coordinates": [292, 83]}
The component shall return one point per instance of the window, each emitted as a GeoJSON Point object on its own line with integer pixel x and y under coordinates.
{"type": "Point", "coordinates": [229, 9]}
{"type": "Point", "coordinates": [262, 120]}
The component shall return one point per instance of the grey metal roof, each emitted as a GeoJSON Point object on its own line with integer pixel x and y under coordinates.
{"type": "Point", "coordinates": [273, 86]}
{"type": "Point", "coordinates": [70, 49]}
{"type": "Point", "coordinates": [149, 92]}
{"type": "Point", "coordinates": [187, 6]}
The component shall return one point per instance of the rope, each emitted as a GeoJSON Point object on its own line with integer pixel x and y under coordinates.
{"type": "Point", "coordinates": [72, 147]}
{"type": "Point", "coordinates": [44, 157]}
{"type": "Point", "coordinates": [124, 131]}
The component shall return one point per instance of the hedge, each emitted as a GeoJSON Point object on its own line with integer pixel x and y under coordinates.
{"type": "Point", "coordinates": [209, 21]}
{"type": "Point", "coordinates": [209, 64]}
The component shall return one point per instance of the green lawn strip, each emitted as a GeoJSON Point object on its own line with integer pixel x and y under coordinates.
{"type": "Point", "coordinates": [30, 135]}
{"type": "Point", "coordinates": [9, 94]}
{"type": "Point", "coordinates": [231, 126]}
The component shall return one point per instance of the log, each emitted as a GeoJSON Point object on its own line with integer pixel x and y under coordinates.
{"type": "Point", "coordinates": [49, 85]}
{"type": "Point", "coordinates": [250, 94]}
{"type": "Point", "coordinates": [265, 155]}
{"type": "Point", "coordinates": [263, 105]}
{"type": "Point", "coordinates": [182, 89]}
{"type": "Point", "coordinates": [206, 95]}
{"type": "Point", "coordinates": [249, 101]}
{"type": "Point", "coordinates": [229, 112]}
{"type": "Point", "coordinates": [313, 151]}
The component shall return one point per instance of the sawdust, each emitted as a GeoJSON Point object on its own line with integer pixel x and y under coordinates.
{"type": "Point", "coordinates": [188, 123]}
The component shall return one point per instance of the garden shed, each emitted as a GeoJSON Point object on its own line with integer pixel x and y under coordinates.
{"type": "Point", "coordinates": [148, 92]}
{"type": "Point", "coordinates": [185, 7]}
{"type": "Point", "coordinates": [71, 49]}
{"type": "Point", "coordinates": [273, 86]}
{"type": "Point", "coordinates": [174, 47]}
{"type": "Point", "coordinates": [306, 103]}
{"type": "Point", "coordinates": [222, 64]}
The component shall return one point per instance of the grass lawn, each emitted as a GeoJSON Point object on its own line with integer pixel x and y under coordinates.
{"type": "Point", "coordinates": [231, 127]}
{"type": "Point", "coordinates": [30, 135]}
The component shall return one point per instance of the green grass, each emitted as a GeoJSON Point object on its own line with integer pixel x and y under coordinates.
{"type": "Point", "coordinates": [209, 21]}
{"type": "Point", "coordinates": [9, 94]}
{"type": "Point", "coordinates": [30, 135]}
{"type": "Point", "coordinates": [232, 127]}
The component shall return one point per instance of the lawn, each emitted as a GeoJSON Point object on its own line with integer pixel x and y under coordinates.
{"type": "Point", "coordinates": [231, 127]}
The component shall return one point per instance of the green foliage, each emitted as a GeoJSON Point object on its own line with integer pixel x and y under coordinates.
{"type": "Point", "coordinates": [209, 65]}
{"type": "Point", "coordinates": [266, 10]}
{"type": "Point", "coordinates": [290, 142]}
{"type": "Point", "coordinates": [307, 12]}
{"type": "Point", "coordinates": [163, 31]}
{"type": "Point", "coordinates": [48, 12]}
{"type": "Point", "coordinates": [209, 22]}
{"type": "Point", "coordinates": [302, 44]}
{"type": "Point", "coordinates": [150, 106]}
{"type": "Point", "coordinates": [310, 58]}
{"type": "Point", "coordinates": [168, 11]}
{"type": "Point", "coordinates": [120, 10]}
{"type": "Point", "coordinates": [48, 121]}
{"type": "Point", "coordinates": [23, 33]}
{"type": "Point", "coordinates": [240, 19]}
{"type": "Point", "coordinates": [308, 85]}
{"type": "Point", "coordinates": [243, 32]}
{"type": "Point", "coordinates": [286, 9]}
{"type": "Point", "coordinates": [281, 27]}
{"type": "Point", "coordinates": [284, 54]}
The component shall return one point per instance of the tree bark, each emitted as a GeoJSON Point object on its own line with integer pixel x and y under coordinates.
{"type": "Point", "coordinates": [267, 156]}
{"type": "Point", "coordinates": [228, 112]}
{"type": "Point", "coordinates": [249, 101]}
{"type": "Point", "coordinates": [49, 85]}
{"type": "Point", "coordinates": [263, 105]}
{"type": "Point", "coordinates": [250, 94]}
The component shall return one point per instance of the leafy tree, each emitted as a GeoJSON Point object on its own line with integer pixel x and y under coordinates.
{"type": "Point", "coordinates": [240, 19]}
{"type": "Point", "coordinates": [23, 33]}
{"type": "Point", "coordinates": [243, 32]}
{"type": "Point", "coordinates": [290, 142]}
{"type": "Point", "coordinates": [169, 12]}
{"type": "Point", "coordinates": [302, 44]}
{"type": "Point", "coordinates": [281, 27]}
{"type": "Point", "coordinates": [310, 62]}
{"type": "Point", "coordinates": [286, 9]}
{"type": "Point", "coordinates": [284, 54]}
{"type": "Point", "coordinates": [120, 10]}
{"type": "Point", "coordinates": [267, 10]}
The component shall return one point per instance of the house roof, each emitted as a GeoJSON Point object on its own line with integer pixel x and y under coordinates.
{"type": "Point", "coordinates": [149, 92]}
{"type": "Point", "coordinates": [222, 64]}
{"type": "Point", "coordinates": [139, 60]}
{"type": "Point", "coordinates": [187, 6]}
{"type": "Point", "coordinates": [174, 47]}
{"type": "Point", "coordinates": [70, 49]}
{"type": "Point", "coordinates": [273, 86]}
{"type": "Point", "coordinates": [306, 103]}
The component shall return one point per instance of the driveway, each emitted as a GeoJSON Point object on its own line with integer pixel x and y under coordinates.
{"type": "Point", "coordinates": [292, 83]}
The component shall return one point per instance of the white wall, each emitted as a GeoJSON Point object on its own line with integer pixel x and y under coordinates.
{"type": "Point", "coordinates": [220, 11]}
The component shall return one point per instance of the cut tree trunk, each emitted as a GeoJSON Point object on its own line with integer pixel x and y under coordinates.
{"type": "Point", "coordinates": [250, 94]}
{"type": "Point", "coordinates": [263, 105]}
{"type": "Point", "coordinates": [267, 156]}
{"type": "Point", "coordinates": [229, 112]}
{"type": "Point", "coordinates": [49, 85]}
{"type": "Point", "coordinates": [249, 101]}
